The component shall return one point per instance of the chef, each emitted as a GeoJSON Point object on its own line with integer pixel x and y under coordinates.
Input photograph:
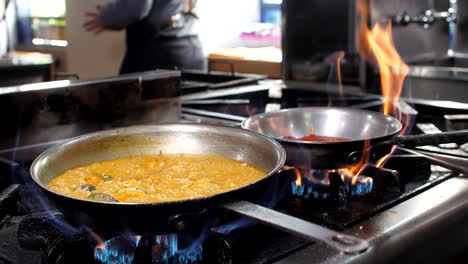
{"type": "Point", "coordinates": [159, 33]}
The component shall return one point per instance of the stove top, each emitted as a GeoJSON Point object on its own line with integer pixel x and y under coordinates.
{"type": "Point", "coordinates": [413, 208]}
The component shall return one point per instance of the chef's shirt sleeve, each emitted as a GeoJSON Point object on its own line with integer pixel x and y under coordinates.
{"type": "Point", "coordinates": [118, 14]}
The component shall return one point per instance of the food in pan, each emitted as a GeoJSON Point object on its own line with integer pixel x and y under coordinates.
{"type": "Point", "coordinates": [313, 137]}
{"type": "Point", "coordinates": [155, 178]}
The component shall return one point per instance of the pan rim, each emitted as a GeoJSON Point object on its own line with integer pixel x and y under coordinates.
{"type": "Point", "coordinates": [116, 131]}
{"type": "Point", "coordinates": [298, 109]}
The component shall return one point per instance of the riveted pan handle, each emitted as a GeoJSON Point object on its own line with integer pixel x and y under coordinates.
{"type": "Point", "coordinates": [411, 141]}
{"type": "Point", "coordinates": [459, 137]}
{"type": "Point", "coordinates": [342, 242]}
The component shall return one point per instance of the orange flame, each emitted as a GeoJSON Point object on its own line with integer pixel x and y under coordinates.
{"type": "Point", "coordinates": [96, 237]}
{"type": "Point", "coordinates": [381, 162]}
{"type": "Point", "coordinates": [354, 179]}
{"type": "Point", "coordinates": [298, 173]}
{"type": "Point", "coordinates": [379, 42]}
{"type": "Point", "coordinates": [363, 161]}
{"type": "Point", "coordinates": [364, 180]}
{"type": "Point", "coordinates": [406, 122]}
{"type": "Point", "coordinates": [298, 177]}
{"type": "Point", "coordinates": [338, 71]}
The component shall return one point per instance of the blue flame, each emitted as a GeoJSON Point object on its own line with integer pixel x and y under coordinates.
{"type": "Point", "coordinates": [119, 250]}
{"type": "Point", "coordinates": [226, 229]}
{"type": "Point", "coordinates": [307, 191]}
{"type": "Point", "coordinates": [362, 187]}
{"type": "Point", "coordinates": [167, 249]}
{"type": "Point", "coordinates": [173, 251]}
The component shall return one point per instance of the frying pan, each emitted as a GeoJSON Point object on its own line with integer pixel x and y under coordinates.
{"type": "Point", "coordinates": [379, 130]}
{"type": "Point", "coordinates": [234, 143]}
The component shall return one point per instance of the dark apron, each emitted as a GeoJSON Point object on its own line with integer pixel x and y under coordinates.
{"type": "Point", "coordinates": [148, 50]}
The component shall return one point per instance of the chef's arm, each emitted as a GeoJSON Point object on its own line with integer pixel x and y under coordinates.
{"type": "Point", "coordinates": [120, 13]}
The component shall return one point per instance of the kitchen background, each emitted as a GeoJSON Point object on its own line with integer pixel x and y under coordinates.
{"type": "Point", "coordinates": [408, 211]}
{"type": "Point", "coordinates": [55, 26]}
{"type": "Point", "coordinates": [247, 33]}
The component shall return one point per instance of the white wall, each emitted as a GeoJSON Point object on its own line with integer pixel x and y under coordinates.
{"type": "Point", "coordinates": [7, 26]}
{"type": "Point", "coordinates": [90, 55]}
{"type": "Point", "coordinates": [222, 21]}
{"type": "Point", "coordinates": [3, 29]}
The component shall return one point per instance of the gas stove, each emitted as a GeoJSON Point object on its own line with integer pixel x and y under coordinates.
{"type": "Point", "coordinates": [408, 212]}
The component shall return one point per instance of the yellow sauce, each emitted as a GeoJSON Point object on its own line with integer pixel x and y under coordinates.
{"type": "Point", "coordinates": [155, 178]}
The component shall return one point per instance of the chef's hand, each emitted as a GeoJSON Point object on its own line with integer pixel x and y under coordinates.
{"type": "Point", "coordinates": [92, 24]}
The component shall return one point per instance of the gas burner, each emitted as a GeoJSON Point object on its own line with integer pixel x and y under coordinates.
{"type": "Point", "coordinates": [339, 185]}
{"type": "Point", "coordinates": [227, 242]}
{"type": "Point", "coordinates": [321, 184]}
{"type": "Point", "coordinates": [336, 199]}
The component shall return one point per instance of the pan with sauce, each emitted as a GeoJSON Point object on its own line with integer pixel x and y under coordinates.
{"type": "Point", "coordinates": [155, 178]}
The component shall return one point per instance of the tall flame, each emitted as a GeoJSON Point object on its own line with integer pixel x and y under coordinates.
{"type": "Point", "coordinates": [339, 58]}
{"type": "Point", "coordinates": [379, 43]}
{"type": "Point", "coordinates": [363, 161]}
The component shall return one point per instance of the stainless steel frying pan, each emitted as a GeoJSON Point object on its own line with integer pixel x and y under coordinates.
{"type": "Point", "coordinates": [380, 132]}
{"type": "Point", "coordinates": [234, 143]}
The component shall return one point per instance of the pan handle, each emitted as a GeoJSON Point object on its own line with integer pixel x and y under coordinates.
{"type": "Point", "coordinates": [454, 163]}
{"type": "Point", "coordinates": [342, 242]}
{"type": "Point", "coordinates": [460, 137]}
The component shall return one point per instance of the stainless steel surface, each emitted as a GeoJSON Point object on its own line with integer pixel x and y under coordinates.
{"type": "Point", "coordinates": [199, 112]}
{"type": "Point", "coordinates": [219, 101]}
{"type": "Point", "coordinates": [456, 117]}
{"type": "Point", "coordinates": [461, 39]}
{"type": "Point", "coordinates": [439, 78]}
{"type": "Point", "coordinates": [377, 99]}
{"type": "Point", "coordinates": [233, 143]}
{"type": "Point", "coordinates": [49, 126]}
{"type": "Point", "coordinates": [425, 18]}
{"type": "Point", "coordinates": [36, 87]}
{"type": "Point", "coordinates": [189, 118]}
{"type": "Point", "coordinates": [438, 103]}
{"type": "Point", "coordinates": [219, 93]}
{"type": "Point", "coordinates": [439, 72]}
{"type": "Point", "coordinates": [353, 124]}
{"type": "Point", "coordinates": [217, 80]}
{"type": "Point", "coordinates": [320, 87]}
{"type": "Point", "coordinates": [414, 40]}
{"type": "Point", "coordinates": [49, 111]}
{"type": "Point", "coordinates": [342, 242]}
{"type": "Point", "coordinates": [428, 228]}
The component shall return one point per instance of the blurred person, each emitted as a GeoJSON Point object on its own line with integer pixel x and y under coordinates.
{"type": "Point", "coordinates": [159, 33]}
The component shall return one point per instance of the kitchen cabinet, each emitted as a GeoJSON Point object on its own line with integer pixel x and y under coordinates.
{"type": "Point", "coordinates": [264, 61]}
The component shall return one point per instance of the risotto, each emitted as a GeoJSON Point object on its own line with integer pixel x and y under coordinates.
{"type": "Point", "coordinates": [155, 178]}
